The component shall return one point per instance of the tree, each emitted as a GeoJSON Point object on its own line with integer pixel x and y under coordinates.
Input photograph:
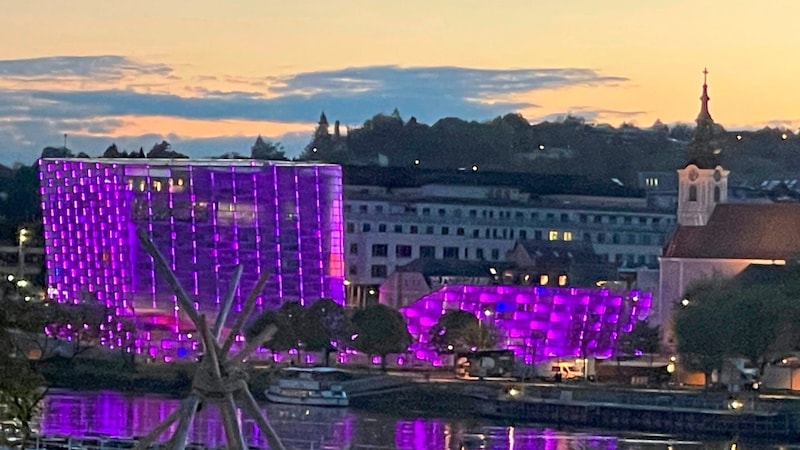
{"type": "Point", "coordinates": [21, 389]}
{"type": "Point", "coordinates": [643, 338]}
{"type": "Point", "coordinates": [57, 152]}
{"type": "Point", "coordinates": [460, 331]}
{"type": "Point", "coordinates": [85, 325]}
{"type": "Point", "coordinates": [289, 320]}
{"type": "Point", "coordinates": [734, 318]}
{"type": "Point", "coordinates": [321, 144]}
{"type": "Point", "coordinates": [326, 327]}
{"type": "Point", "coordinates": [112, 152]}
{"type": "Point", "coordinates": [681, 132]}
{"type": "Point", "coordinates": [267, 150]}
{"type": "Point", "coordinates": [702, 327]}
{"type": "Point", "coordinates": [231, 155]}
{"type": "Point", "coordinates": [380, 330]}
{"type": "Point", "coordinates": [765, 320]}
{"type": "Point", "coordinates": [162, 150]}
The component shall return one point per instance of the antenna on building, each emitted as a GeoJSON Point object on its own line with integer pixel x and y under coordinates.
{"type": "Point", "coordinates": [65, 140]}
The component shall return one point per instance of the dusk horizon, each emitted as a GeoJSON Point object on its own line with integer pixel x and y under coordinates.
{"type": "Point", "coordinates": [211, 80]}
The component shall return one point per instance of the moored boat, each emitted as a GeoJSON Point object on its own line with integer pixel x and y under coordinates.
{"type": "Point", "coordinates": [313, 386]}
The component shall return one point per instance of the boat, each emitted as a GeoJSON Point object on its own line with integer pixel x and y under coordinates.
{"type": "Point", "coordinates": [312, 386]}
{"type": "Point", "coordinates": [680, 412]}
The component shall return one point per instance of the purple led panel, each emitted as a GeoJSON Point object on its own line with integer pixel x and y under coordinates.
{"type": "Point", "coordinates": [205, 216]}
{"type": "Point", "coordinates": [552, 322]}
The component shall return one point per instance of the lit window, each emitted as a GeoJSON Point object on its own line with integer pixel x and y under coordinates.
{"type": "Point", "coordinates": [562, 280]}
{"type": "Point", "coordinates": [544, 279]}
{"type": "Point", "coordinates": [568, 235]}
{"type": "Point", "coordinates": [552, 235]}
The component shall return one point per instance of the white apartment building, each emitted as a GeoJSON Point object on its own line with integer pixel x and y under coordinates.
{"type": "Point", "coordinates": [385, 228]}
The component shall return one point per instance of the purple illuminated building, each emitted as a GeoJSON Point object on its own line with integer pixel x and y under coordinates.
{"type": "Point", "coordinates": [537, 323]}
{"type": "Point", "coordinates": [206, 217]}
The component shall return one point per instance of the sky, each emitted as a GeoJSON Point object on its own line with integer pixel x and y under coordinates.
{"type": "Point", "coordinates": [210, 76]}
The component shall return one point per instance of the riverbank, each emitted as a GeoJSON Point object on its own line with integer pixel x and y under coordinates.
{"type": "Point", "coordinates": [688, 412]}
{"type": "Point", "coordinates": [100, 374]}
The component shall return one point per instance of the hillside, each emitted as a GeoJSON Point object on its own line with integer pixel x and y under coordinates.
{"type": "Point", "coordinates": [567, 147]}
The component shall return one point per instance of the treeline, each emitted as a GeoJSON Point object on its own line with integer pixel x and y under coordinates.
{"type": "Point", "coordinates": [567, 147]}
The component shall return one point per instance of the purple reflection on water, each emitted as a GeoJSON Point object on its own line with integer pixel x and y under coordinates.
{"type": "Point", "coordinates": [114, 414]}
{"type": "Point", "coordinates": [79, 414]}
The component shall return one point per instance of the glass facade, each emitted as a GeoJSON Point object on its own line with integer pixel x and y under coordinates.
{"type": "Point", "coordinates": [537, 323]}
{"type": "Point", "coordinates": [206, 217]}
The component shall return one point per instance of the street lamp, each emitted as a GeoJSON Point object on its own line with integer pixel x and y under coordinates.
{"type": "Point", "coordinates": [484, 331]}
{"type": "Point", "coordinates": [23, 237]}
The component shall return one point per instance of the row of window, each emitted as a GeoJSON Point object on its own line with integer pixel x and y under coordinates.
{"type": "Point", "coordinates": [560, 217]}
{"type": "Point", "coordinates": [626, 239]}
{"type": "Point", "coordinates": [488, 233]}
{"type": "Point", "coordinates": [382, 271]}
{"type": "Point", "coordinates": [427, 251]}
{"type": "Point", "coordinates": [510, 233]}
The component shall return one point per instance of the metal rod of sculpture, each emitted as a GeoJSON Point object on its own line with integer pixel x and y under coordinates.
{"type": "Point", "coordinates": [219, 379]}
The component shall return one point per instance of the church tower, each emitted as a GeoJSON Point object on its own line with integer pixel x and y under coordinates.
{"type": "Point", "coordinates": [702, 183]}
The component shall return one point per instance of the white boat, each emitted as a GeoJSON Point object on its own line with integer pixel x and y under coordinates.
{"type": "Point", "coordinates": [312, 386]}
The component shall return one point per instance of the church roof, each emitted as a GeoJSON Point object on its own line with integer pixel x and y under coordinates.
{"type": "Point", "coordinates": [741, 231]}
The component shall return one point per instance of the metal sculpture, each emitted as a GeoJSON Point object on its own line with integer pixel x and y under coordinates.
{"type": "Point", "coordinates": [219, 379]}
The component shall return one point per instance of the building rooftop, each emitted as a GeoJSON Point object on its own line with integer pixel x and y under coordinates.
{"type": "Point", "coordinates": [741, 231]}
{"type": "Point", "coordinates": [184, 162]}
{"type": "Point", "coordinates": [431, 267]}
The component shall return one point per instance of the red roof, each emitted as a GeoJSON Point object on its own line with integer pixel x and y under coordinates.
{"type": "Point", "coordinates": [741, 231]}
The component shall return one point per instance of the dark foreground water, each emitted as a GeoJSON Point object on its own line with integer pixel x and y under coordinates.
{"type": "Point", "coordinates": [108, 413]}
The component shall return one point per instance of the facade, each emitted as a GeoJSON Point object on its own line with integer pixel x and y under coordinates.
{"type": "Point", "coordinates": [206, 217]}
{"type": "Point", "coordinates": [537, 323]}
{"type": "Point", "coordinates": [390, 228]}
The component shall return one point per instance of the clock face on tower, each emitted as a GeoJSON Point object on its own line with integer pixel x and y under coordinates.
{"type": "Point", "coordinates": [693, 175]}
{"type": "Point", "coordinates": [717, 175]}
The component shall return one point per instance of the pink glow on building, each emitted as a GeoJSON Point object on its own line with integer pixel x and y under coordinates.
{"type": "Point", "coordinates": [536, 323]}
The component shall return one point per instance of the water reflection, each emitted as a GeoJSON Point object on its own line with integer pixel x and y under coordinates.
{"type": "Point", "coordinates": [108, 413]}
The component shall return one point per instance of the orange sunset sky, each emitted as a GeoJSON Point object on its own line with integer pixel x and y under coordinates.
{"type": "Point", "coordinates": [210, 76]}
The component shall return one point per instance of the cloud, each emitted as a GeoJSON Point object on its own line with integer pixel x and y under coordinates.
{"type": "Point", "coordinates": [455, 82]}
{"type": "Point", "coordinates": [350, 95]}
{"type": "Point", "coordinates": [42, 98]}
{"type": "Point", "coordinates": [103, 67]}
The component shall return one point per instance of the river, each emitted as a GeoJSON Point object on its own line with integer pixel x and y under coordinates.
{"type": "Point", "coordinates": [79, 414]}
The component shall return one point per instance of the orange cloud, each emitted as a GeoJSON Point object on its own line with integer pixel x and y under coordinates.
{"type": "Point", "coordinates": [140, 125]}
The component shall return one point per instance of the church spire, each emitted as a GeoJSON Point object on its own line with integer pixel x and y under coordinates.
{"type": "Point", "coordinates": [704, 115]}
{"type": "Point", "coordinates": [704, 148]}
